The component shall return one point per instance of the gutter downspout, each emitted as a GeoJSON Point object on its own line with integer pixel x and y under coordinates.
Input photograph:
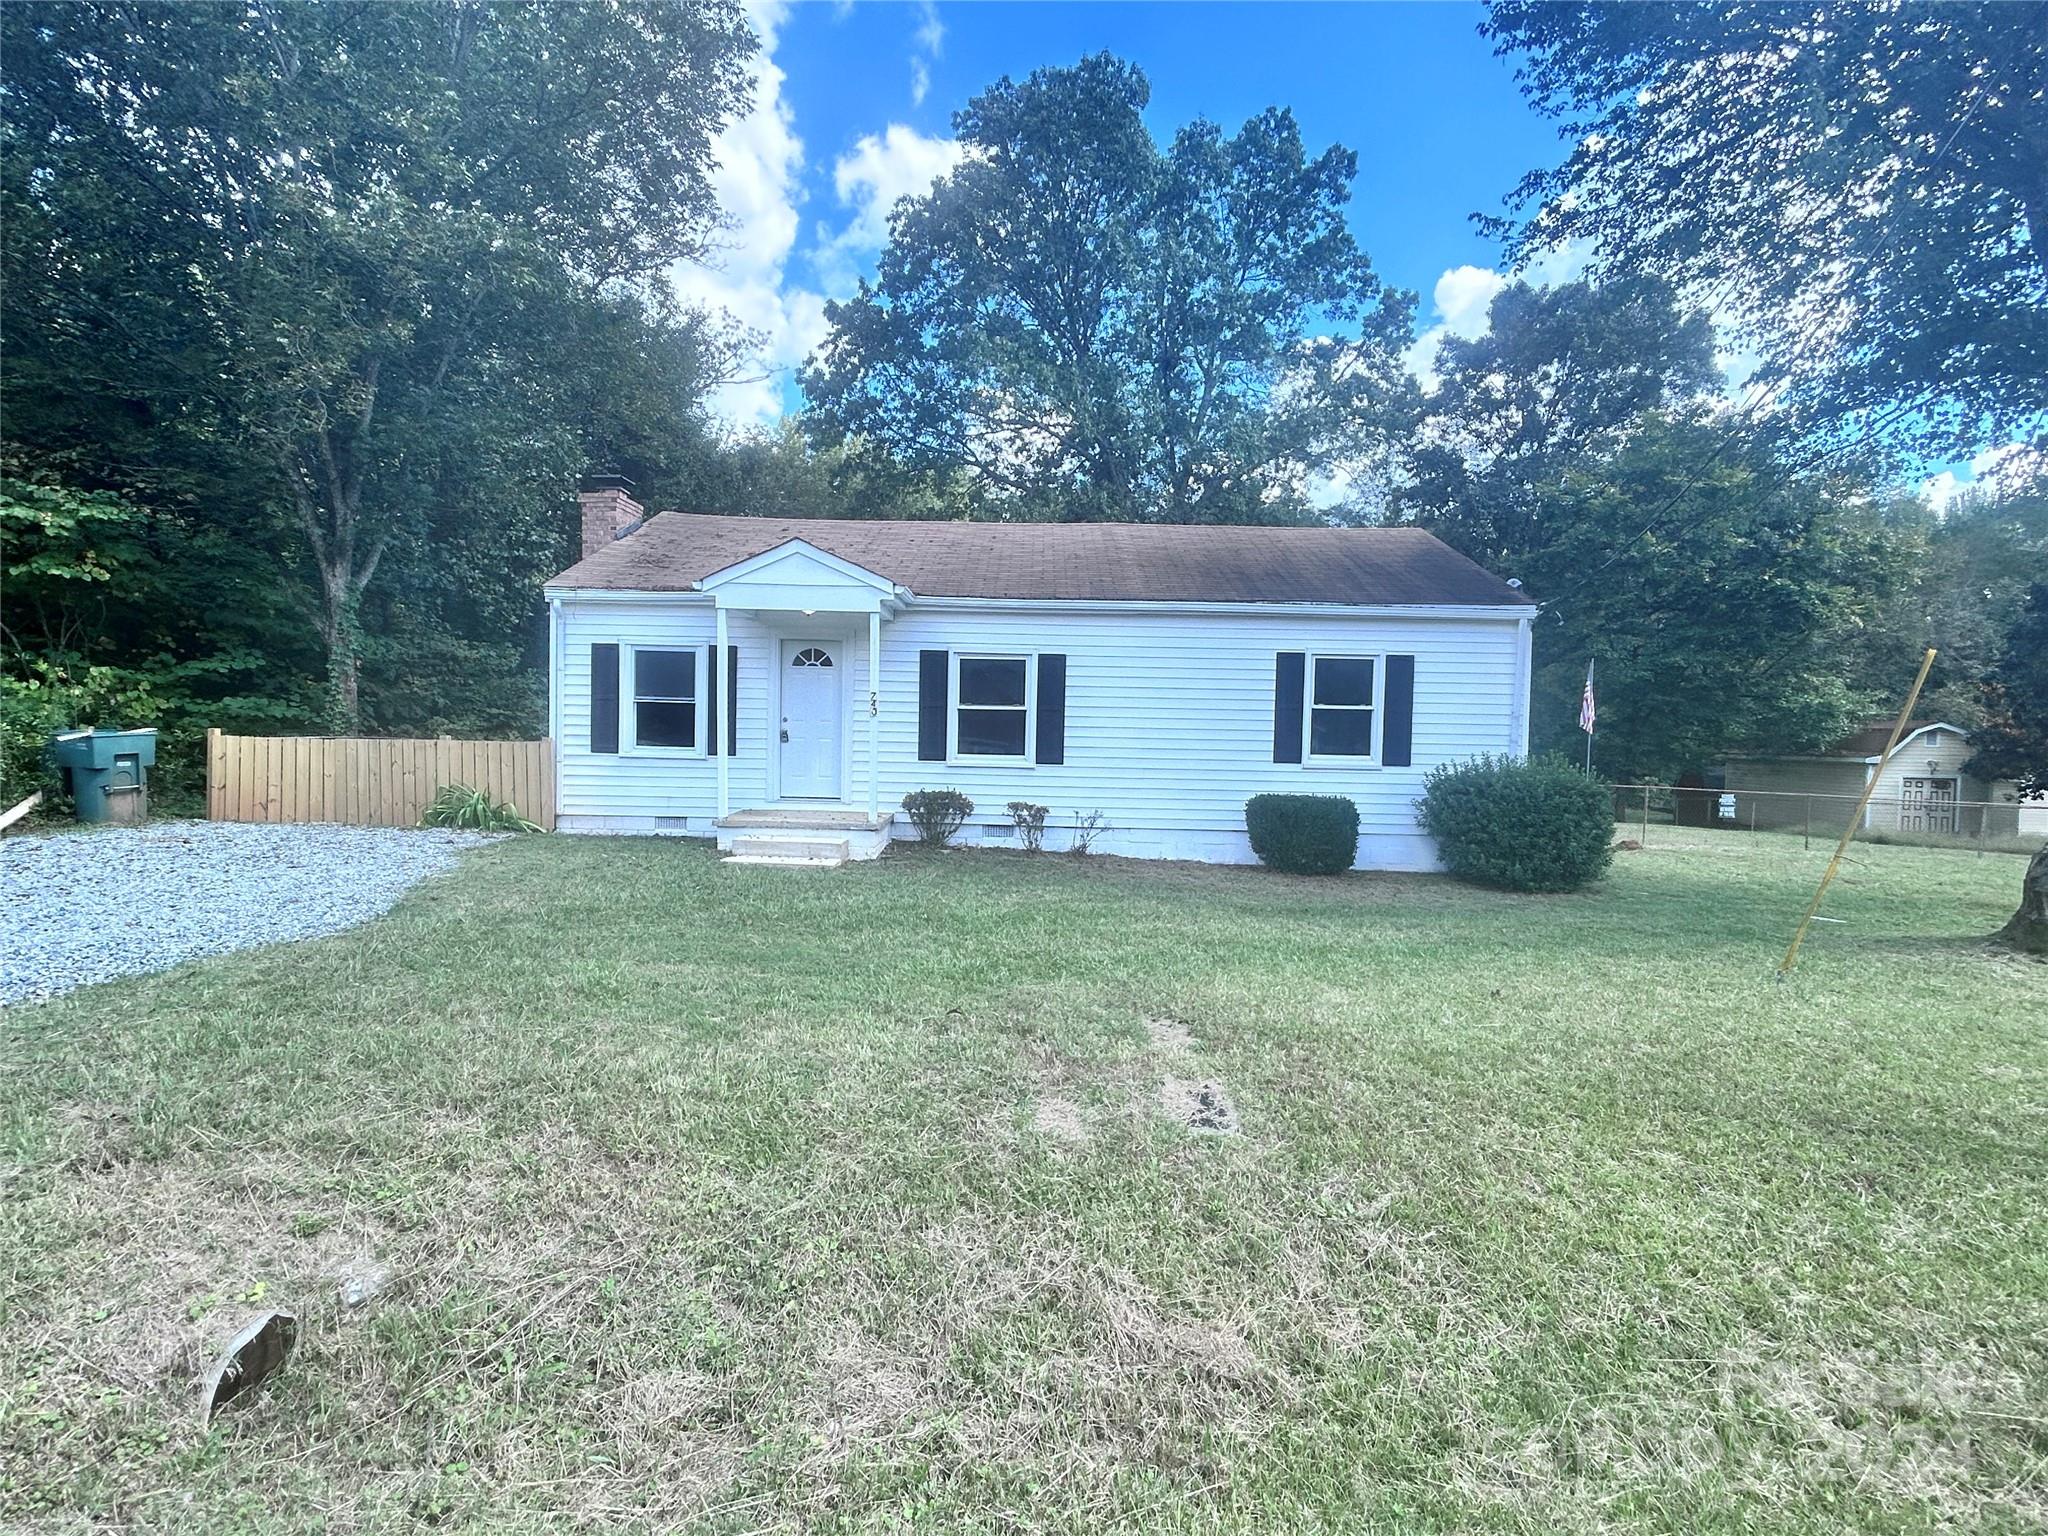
{"type": "Point", "coordinates": [555, 682]}
{"type": "Point", "coordinates": [1523, 640]}
{"type": "Point", "coordinates": [725, 725]}
{"type": "Point", "coordinates": [875, 718]}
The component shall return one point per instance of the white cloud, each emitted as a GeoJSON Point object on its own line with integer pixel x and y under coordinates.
{"type": "Point", "coordinates": [881, 169]}
{"type": "Point", "coordinates": [2002, 470]}
{"type": "Point", "coordinates": [931, 32]}
{"type": "Point", "coordinates": [759, 182]}
{"type": "Point", "coordinates": [760, 159]}
{"type": "Point", "coordinates": [1463, 300]}
{"type": "Point", "coordinates": [926, 44]}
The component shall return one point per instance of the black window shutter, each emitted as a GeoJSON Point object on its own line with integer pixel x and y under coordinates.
{"type": "Point", "coordinates": [732, 701]}
{"type": "Point", "coordinates": [1289, 668]}
{"type": "Point", "coordinates": [1397, 731]}
{"type": "Point", "coordinates": [604, 698]}
{"type": "Point", "coordinates": [711, 700]}
{"type": "Point", "coordinates": [1052, 709]}
{"type": "Point", "coordinates": [931, 706]}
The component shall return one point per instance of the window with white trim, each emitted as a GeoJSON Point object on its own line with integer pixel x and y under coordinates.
{"type": "Point", "coordinates": [992, 710]}
{"type": "Point", "coordinates": [668, 698]}
{"type": "Point", "coordinates": [1342, 708]}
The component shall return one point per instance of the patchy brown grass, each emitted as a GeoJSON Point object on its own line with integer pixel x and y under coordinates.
{"type": "Point", "coordinates": [731, 1204]}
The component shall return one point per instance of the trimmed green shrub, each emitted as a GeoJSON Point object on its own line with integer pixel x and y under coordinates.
{"type": "Point", "coordinates": [937, 813]}
{"type": "Point", "coordinates": [1521, 826]}
{"type": "Point", "coordinates": [1303, 834]}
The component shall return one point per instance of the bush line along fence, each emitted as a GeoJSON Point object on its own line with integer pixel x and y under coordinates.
{"type": "Point", "coordinates": [368, 781]}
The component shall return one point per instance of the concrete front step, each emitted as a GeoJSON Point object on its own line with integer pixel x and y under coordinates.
{"type": "Point", "coordinates": [790, 845]}
{"type": "Point", "coordinates": [777, 861]}
{"type": "Point", "coordinates": [803, 817]}
{"type": "Point", "coordinates": [801, 834]}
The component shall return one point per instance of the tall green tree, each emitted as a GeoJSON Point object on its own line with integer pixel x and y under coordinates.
{"type": "Point", "coordinates": [1967, 568]}
{"type": "Point", "coordinates": [1578, 446]}
{"type": "Point", "coordinates": [1559, 374]}
{"type": "Point", "coordinates": [1084, 325]}
{"type": "Point", "coordinates": [313, 250]}
{"type": "Point", "coordinates": [1712, 632]}
{"type": "Point", "coordinates": [2012, 742]}
{"type": "Point", "coordinates": [1864, 188]}
{"type": "Point", "coordinates": [120, 614]}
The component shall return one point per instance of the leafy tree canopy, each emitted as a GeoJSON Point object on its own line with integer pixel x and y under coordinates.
{"type": "Point", "coordinates": [314, 252]}
{"type": "Point", "coordinates": [1578, 445]}
{"type": "Point", "coordinates": [1967, 568]}
{"type": "Point", "coordinates": [1558, 374]}
{"type": "Point", "coordinates": [1864, 187]}
{"type": "Point", "coordinates": [1085, 326]}
{"type": "Point", "coordinates": [1712, 632]}
{"type": "Point", "coordinates": [2012, 743]}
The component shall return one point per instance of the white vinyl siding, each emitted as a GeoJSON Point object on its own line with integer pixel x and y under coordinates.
{"type": "Point", "coordinates": [1169, 718]}
{"type": "Point", "coordinates": [1934, 755]}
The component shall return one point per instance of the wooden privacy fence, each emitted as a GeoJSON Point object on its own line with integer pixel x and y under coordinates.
{"type": "Point", "coordinates": [367, 781]}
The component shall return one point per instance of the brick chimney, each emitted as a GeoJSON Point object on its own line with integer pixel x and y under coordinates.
{"type": "Point", "coordinates": [609, 510]}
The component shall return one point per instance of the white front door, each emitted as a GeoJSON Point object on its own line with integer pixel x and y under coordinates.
{"type": "Point", "coordinates": [810, 720]}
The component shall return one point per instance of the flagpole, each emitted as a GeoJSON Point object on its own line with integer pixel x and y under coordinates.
{"type": "Point", "coordinates": [1591, 722]}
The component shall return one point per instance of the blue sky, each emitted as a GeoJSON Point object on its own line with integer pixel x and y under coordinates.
{"type": "Point", "coordinates": [853, 104]}
{"type": "Point", "coordinates": [853, 109]}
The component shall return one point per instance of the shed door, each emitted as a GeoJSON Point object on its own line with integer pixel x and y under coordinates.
{"type": "Point", "coordinates": [1930, 806]}
{"type": "Point", "coordinates": [810, 720]}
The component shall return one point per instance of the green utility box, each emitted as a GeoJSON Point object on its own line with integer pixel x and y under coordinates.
{"type": "Point", "coordinates": [108, 772]}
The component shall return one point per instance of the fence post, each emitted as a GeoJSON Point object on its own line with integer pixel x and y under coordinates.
{"type": "Point", "coordinates": [213, 784]}
{"type": "Point", "coordinates": [1646, 816]}
{"type": "Point", "coordinates": [1806, 837]}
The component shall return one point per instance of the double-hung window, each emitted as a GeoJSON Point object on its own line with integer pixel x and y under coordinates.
{"type": "Point", "coordinates": [667, 698]}
{"type": "Point", "coordinates": [992, 706]}
{"type": "Point", "coordinates": [1342, 702]}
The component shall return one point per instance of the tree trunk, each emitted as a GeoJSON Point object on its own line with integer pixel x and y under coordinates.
{"type": "Point", "coordinates": [344, 709]}
{"type": "Point", "coordinates": [2028, 930]}
{"type": "Point", "coordinates": [335, 620]}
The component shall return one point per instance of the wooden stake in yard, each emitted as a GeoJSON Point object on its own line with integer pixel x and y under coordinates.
{"type": "Point", "coordinates": [1856, 815]}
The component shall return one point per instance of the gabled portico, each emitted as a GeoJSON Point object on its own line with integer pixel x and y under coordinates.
{"type": "Point", "coordinates": [816, 604]}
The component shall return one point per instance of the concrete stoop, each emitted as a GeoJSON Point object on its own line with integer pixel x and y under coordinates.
{"type": "Point", "coordinates": [800, 838]}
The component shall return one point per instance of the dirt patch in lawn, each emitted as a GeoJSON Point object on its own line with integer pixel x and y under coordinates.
{"type": "Point", "coordinates": [1200, 1105]}
{"type": "Point", "coordinates": [1060, 1119]}
{"type": "Point", "coordinates": [1169, 1035]}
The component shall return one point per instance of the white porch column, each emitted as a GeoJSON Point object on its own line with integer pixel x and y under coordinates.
{"type": "Point", "coordinates": [874, 717]}
{"type": "Point", "coordinates": [727, 725]}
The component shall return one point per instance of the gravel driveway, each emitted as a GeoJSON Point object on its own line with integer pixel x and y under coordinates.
{"type": "Point", "coordinates": [80, 907]}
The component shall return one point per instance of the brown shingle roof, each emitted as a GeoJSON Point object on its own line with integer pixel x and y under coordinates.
{"type": "Point", "coordinates": [1145, 562]}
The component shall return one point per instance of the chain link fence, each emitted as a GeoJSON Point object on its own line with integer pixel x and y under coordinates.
{"type": "Point", "coordinates": [1650, 813]}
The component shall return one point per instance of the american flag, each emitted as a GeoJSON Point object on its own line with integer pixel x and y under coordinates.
{"type": "Point", "coordinates": [1586, 703]}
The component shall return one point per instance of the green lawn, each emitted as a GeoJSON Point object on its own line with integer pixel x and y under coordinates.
{"type": "Point", "coordinates": [738, 1200]}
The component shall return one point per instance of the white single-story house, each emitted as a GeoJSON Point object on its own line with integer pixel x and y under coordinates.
{"type": "Point", "coordinates": [1923, 788]}
{"type": "Point", "coordinates": [749, 677]}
